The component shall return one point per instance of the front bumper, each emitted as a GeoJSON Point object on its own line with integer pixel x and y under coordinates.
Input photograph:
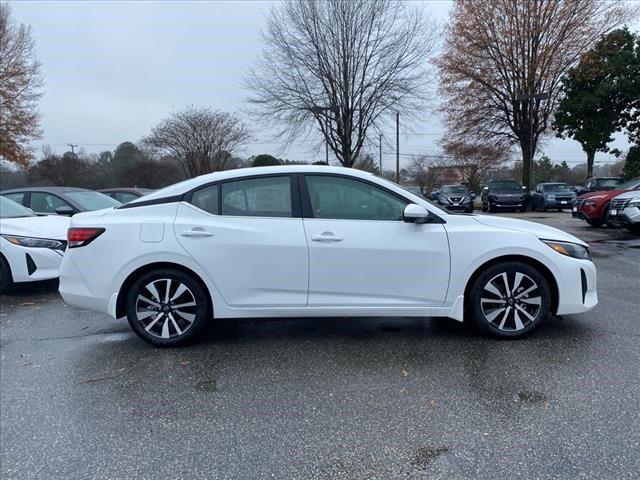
{"type": "Point", "coordinates": [631, 215]}
{"type": "Point", "coordinates": [577, 287]}
{"type": "Point", "coordinates": [32, 264]}
{"type": "Point", "coordinates": [558, 203]}
{"type": "Point", "coordinates": [459, 207]}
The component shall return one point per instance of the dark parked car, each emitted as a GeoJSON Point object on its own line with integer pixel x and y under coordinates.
{"type": "Point", "coordinates": [598, 184]}
{"type": "Point", "coordinates": [455, 197]}
{"type": "Point", "coordinates": [125, 195]}
{"type": "Point", "coordinates": [552, 195]}
{"type": "Point", "coordinates": [60, 200]}
{"type": "Point", "coordinates": [499, 194]}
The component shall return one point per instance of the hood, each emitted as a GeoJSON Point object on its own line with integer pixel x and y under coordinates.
{"type": "Point", "coordinates": [602, 194]}
{"type": "Point", "coordinates": [48, 226]}
{"type": "Point", "coordinates": [539, 230]}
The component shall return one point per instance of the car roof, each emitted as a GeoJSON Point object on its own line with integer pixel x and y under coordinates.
{"type": "Point", "coordinates": [126, 189]}
{"type": "Point", "coordinates": [45, 189]}
{"type": "Point", "coordinates": [191, 183]}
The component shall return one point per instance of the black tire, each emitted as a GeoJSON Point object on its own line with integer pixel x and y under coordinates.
{"type": "Point", "coordinates": [490, 207]}
{"type": "Point", "coordinates": [502, 315]}
{"type": "Point", "coordinates": [595, 222]}
{"type": "Point", "coordinates": [533, 206]}
{"type": "Point", "coordinates": [523, 209]}
{"type": "Point", "coordinates": [5, 275]}
{"type": "Point", "coordinates": [181, 325]}
{"type": "Point", "coordinates": [484, 207]}
{"type": "Point", "coordinates": [633, 228]}
{"type": "Point", "coordinates": [468, 210]}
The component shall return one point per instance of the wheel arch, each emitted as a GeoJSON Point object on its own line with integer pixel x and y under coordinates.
{"type": "Point", "coordinates": [4, 261]}
{"type": "Point", "coordinates": [133, 276]}
{"type": "Point", "coordinates": [541, 267]}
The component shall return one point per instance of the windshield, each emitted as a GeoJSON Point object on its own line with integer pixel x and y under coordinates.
{"type": "Point", "coordinates": [11, 209]}
{"type": "Point", "coordinates": [93, 200]}
{"type": "Point", "coordinates": [556, 187]}
{"type": "Point", "coordinates": [454, 189]}
{"type": "Point", "coordinates": [610, 182]}
{"type": "Point", "coordinates": [629, 185]}
{"type": "Point", "coordinates": [505, 185]}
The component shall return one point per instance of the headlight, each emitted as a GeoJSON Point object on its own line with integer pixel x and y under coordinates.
{"type": "Point", "coordinates": [633, 203]}
{"type": "Point", "coordinates": [466, 200]}
{"type": "Point", "coordinates": [550, 197]}
{"type": "Point", "coordinates": [569, 249]}
{"type": "Point", "coordinates": [33, 242]}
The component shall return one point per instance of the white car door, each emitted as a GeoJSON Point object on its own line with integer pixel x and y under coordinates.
{"type": "Point", "coordinates": [361, 252]}
{"type": "Point", "coordinates": [249, 239]}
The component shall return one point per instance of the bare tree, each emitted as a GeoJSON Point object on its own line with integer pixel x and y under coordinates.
{"type": "Point", "coordinates": [501, 57]}
{"type": "Point", "coordinates": [473, 160]}
{"type": "Point", "coordinates": [345, 67]}
{"type": "Point", "coordinates": [200, 139]}
{"type": "Point", "coordinates": [20, 84]}
{"type": "Point", "coordinates": [426, 171]}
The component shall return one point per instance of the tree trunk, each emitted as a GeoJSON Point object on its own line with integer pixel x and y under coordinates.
{"type": "Point", "coordinates": [527, 174]}
{"type": "Point", "coordinates": [591, 154]}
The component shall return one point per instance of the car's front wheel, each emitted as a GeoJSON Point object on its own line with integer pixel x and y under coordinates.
{"type": "Point", "coordinates": [167, 307]}
{"type": "Point", "coordinates": [509, 299]}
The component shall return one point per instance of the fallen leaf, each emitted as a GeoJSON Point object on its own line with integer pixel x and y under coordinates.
{"type": "Point", "coordinates": [27, 304]}
{"type": "Point", "coordinates": [403, 391]}
{"type": "Point", "coordinates": [184, 363]}
{"type": "Point", "coordinates": [404, 373]}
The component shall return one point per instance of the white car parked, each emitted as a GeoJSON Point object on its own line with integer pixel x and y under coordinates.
{"type": "Point", "coordinates": [625, 210]}
{"type": "Point", "coordinates": [31, 246]}
{"type": "Point", "coordinates": [315, 241]}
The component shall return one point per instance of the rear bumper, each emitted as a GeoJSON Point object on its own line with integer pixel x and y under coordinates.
{"type": "Point", "coordinates": [75, 290]}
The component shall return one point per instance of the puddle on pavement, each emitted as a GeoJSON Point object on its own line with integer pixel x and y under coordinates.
{"type": "Point", "coordinates": [425, 455]}
{"type": "Point", "coordinates": [532, 396]}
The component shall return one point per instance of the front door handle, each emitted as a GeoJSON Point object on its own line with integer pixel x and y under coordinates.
{"type": "Point", "coordinates": [196, 233]}
{"type": "Point", "coordinates": [326, 237]}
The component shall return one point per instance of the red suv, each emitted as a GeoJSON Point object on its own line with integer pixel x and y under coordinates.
{"type": "Point", "coordinates": [593, 207]}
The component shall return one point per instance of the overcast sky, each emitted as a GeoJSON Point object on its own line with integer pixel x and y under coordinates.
{"type": "Point", "coordinates": [114, 69]}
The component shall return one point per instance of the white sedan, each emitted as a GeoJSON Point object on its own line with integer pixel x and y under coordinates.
{"type": "Point", "coordinates": [31, 246]}
{"type": "Point", "coordinates": [315, 241]}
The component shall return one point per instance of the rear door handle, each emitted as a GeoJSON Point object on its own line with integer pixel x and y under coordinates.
{"type": "Point", "coordinates": [196, 233]}
{"type": "Point", "coordinates": [326, 237]}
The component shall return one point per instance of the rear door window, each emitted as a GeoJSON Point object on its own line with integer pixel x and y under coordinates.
{"type": "Point", "coordinates": [258, 197]}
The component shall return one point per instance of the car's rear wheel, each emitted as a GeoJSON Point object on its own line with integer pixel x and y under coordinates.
{"type": "Point", "coordinates": [5, 275]}
{"type": "Point", "coordinates": [167, 307]}
{"type": "Point", "coordinates": [509, 299]}
{"type": "Point", "coordinates": [490, 207]}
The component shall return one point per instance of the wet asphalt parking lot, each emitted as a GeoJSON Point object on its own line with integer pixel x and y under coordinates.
{"type": "Point", "coordinates": [82, 397]}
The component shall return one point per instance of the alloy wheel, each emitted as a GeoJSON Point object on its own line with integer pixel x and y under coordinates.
{"type": "Point", "coordinates": [511, 301]}
{"type": "Point", "coordinates": [166, 308]}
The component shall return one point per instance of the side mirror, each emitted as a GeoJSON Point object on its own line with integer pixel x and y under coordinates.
{"type": "Point", "coordinates": [416, 214]}
{"type": "Point", "coordinates": [65, 210]}
{"type": "Point", "coordinates": [472, 196]}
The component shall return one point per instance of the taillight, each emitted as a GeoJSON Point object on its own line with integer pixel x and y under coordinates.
{"type": "Point", "coordinates": [79, 237]}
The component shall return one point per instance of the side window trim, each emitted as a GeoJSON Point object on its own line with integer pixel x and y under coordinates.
{"type": "Point", "coordinates": [306, 200]}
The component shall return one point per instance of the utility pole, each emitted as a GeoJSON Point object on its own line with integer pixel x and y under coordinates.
{"type": "Point", "coordinates": [326, 142]}
{"type": "Point", "coordinates": [397, 147]}
{"type": "Point", "coordinates": [380, 148]}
